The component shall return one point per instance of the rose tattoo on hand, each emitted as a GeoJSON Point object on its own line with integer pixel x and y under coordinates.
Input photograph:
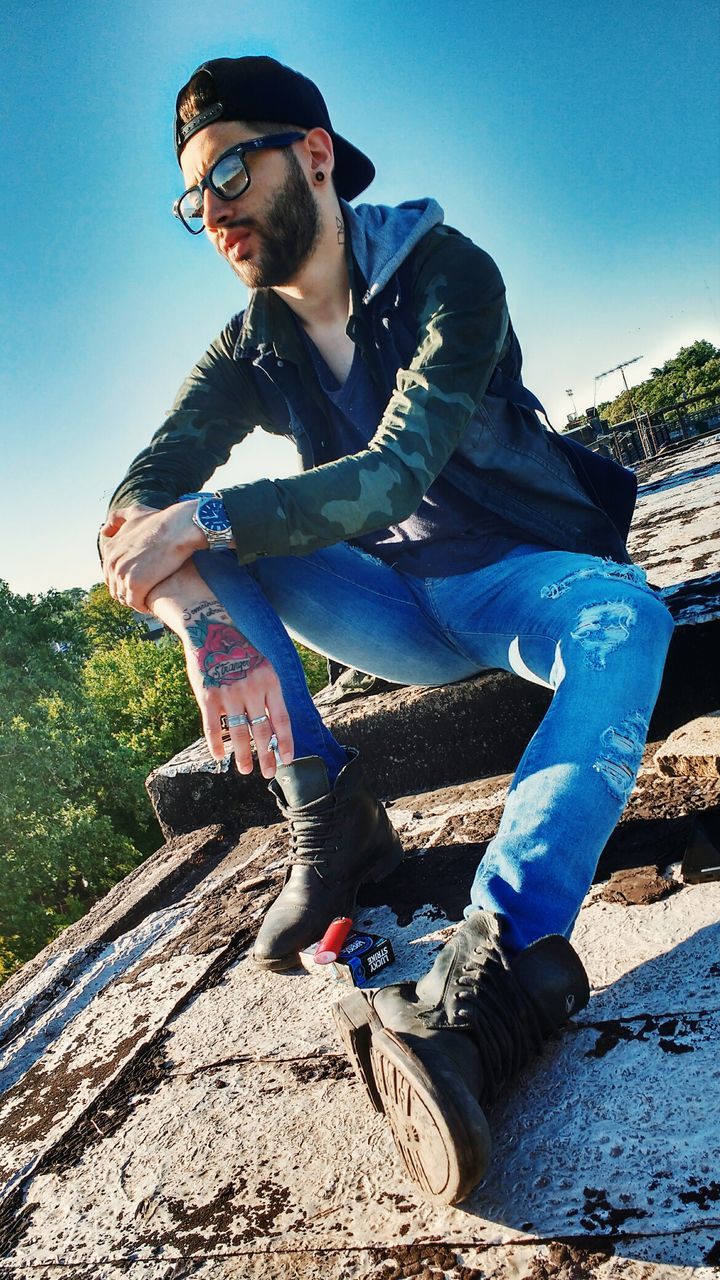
{"type": "Point", "coordinates": [223, 653]}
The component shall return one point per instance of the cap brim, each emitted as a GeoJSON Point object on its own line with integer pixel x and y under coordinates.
{"type": "Point", "coordinates": [353, 171]}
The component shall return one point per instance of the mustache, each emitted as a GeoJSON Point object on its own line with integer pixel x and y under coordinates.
{"type": "Point", "coordinates": [245, 224]}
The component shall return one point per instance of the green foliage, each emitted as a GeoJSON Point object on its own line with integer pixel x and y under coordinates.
{"type": "Point", "coordinates": [694, 370]}
{"type": "Point", "coordinates": [88, 707]}
{"type": "Point", "coordinates": [314, 666]}
{"type": "Point", "coordinates": [70, 803]}
{"type": "Point", "coordinates": [63, 786]}
{"type": "Point", "coordinates": [42, 641]}
{"type": "Point", "coordinates": [141, 691]}
{"type": "Point", "coordinates": [106, 621]}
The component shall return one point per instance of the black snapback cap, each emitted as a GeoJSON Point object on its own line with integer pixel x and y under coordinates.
{"type": "Point", "coordinates": [259, 88]}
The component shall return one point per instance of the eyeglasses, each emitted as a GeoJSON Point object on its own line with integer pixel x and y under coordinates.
{"type": "Point", "coordinates": [228, 178]}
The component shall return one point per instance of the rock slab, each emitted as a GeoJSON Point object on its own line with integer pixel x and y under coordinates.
{"type": "Point", "coordinates": [692, 751]}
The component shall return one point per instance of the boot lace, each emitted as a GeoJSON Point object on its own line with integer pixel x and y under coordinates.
{"type": "Point", "coordinates": [500, 1016]}
{"type": "Point", "coordinates": [314, 836]}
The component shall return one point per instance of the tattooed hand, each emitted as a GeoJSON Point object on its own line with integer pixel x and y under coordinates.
{"type": "Point", "coordinates": [228, 675]}
{"type": "Point", "coordinates": [224, 655]}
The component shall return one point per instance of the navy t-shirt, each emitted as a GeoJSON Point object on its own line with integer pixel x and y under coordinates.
{"type": "Point", "coordinates": [450, 532]}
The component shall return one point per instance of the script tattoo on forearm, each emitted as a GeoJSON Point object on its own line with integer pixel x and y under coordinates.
{"type": "Point", "coordinates": [224, 654]}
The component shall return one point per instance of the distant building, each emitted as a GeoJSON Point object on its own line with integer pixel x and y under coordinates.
{"type": "Point", "coordinates": [153, 626]}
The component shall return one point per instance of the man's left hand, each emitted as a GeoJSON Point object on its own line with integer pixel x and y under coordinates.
{"type": "Point", "coordinates": [146, 549]}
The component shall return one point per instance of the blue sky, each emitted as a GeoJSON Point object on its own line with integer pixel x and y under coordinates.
{"type": "Point", "coordinates": [577, 143]}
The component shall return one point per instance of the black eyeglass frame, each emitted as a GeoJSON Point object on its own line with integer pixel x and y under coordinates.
{"type": "Point", "coordinates": [271, 140]}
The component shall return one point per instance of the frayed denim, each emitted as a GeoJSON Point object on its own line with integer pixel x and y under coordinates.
{"type": "Point", "coordinates": [589, 629]}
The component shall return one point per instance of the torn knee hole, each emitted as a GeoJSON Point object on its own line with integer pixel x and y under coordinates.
{"type": "Point", "coordinates": [600, 628]}
{"type": "Point", "coordinates": [598, 569]}
{"type": "Point", "coordinates": [622, 751]}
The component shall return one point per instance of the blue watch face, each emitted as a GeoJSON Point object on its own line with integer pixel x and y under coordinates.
{"type": "Point", "coordinates": [212, 515]}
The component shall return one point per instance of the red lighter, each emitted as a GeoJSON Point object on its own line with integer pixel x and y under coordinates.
{"type": "Point", "coordinates": [331, 943]}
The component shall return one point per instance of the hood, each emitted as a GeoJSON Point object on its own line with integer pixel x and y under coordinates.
{"type": "Point", "coordinates": [382, 236]}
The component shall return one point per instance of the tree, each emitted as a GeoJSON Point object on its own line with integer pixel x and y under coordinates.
{"type": "Point", "coordinates": [63, 781]}
{"type": "Point", "coordinates": [106, 621]}
{"type": "Point", "coordinates": [694, 370]}
{"type": "Point", "coordinates": [71, 804]}
{"type": "Point", "coordinates": [694, 357]}
{"type": "Point", "coordinates": [140, 690]}
{"type": "Point", "coordinates": [89, 705]}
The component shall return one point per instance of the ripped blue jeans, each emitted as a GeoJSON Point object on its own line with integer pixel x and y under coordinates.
{"type": "Point", "coordinates": [589, 629]}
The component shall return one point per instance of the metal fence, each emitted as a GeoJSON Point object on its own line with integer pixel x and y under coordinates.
{"type": "Point", "coordinates": [635, 441]}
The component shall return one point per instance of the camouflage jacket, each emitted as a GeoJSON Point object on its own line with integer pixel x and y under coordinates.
{"type": "Point", "coordinates": [430, 316]}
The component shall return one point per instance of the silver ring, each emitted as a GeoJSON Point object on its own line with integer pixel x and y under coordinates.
{"type": "Point", "coordinates": [234, 722]}
{"type": "Point", "coordinates": [260, 720]}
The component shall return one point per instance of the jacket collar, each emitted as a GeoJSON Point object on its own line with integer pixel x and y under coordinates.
{"type": "Point", "coordinates": [267, 326]}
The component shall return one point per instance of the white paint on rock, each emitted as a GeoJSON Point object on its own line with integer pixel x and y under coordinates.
{"type": "Point", "coordinates": [54, 1069]}
{"type": "Point", "coordinates": [284, 1152]}
{"type": "Point", "coordinates": [669, 960]}
{"type": "Point", "coordinates": [675, 534]}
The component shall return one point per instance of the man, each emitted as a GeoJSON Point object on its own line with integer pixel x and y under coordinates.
{"type": "Point", "coordinates": [436, 530]}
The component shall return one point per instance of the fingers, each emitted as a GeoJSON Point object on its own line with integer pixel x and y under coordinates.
{"type": "Point", "coordinates": [212, 728]}
{"type": "Point", "coordinates": [114, 521]}
{"type": "Point", "coordinates": [117, 518]}
{"type": "Point", "coordinates": [140, 550]}
{"type": "Point", "coordinates": [245, 728]}
{"type": "Point", "coordinates": [240, 740]}
{"type": "Point", "coordinates": [280, 722]}
{"type": "Point", "coordinates": [268, 715]}
{"type": "Point", "coordinates": [262, 731]}
{"type": "Point", "coordinates": [241, 732]}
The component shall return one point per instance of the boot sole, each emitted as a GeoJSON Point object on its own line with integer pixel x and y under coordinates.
{"type": "Point", "coordinates": [384, 866]}
{"type": "Point", "coordinates": [439, 1129]}
{"type": "Point", "coordinates": [279, 964]}
{"type": "Point", "coordinates": [356, 1020]}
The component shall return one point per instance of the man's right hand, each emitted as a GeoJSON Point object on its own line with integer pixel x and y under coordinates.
{"type": "Point", "coordinates": [115, 521]}
{"type": "Point", "coordinates": [228, 675]}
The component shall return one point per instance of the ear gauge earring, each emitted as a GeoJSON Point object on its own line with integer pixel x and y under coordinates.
{"type": "Point", "coordinates": [319, 176]}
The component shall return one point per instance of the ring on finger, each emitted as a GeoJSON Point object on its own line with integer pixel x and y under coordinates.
{"type": "Point", "coordinates": [259, 719]}
{"type": "Point", "coordinates": [235, 722]}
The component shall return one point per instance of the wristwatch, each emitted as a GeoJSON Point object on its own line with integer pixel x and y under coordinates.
{"type": "Point", "coordinates": [212, 518]}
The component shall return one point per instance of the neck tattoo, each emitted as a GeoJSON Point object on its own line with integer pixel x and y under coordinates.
{"type": "Point", "coordinates": [340, 229]}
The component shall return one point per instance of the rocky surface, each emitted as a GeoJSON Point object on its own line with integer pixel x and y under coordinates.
{"type": "Point", "coordinates": [675, 532]}
{"type": "Point", "coordinates": [693, 750]}
{"type": "Point", "coordinates": [169, 1110]}
{"type": "Point", "coordinates": [409, 739]}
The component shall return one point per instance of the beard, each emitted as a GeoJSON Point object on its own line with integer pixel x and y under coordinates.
{"type": "Point", "coordinates": [288, 232]}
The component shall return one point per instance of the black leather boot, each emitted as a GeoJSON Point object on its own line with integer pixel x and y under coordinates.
{"type": "Point", "coordinates": [432, 1055]}
{"type": "Point", "coordinates": [341, 837]}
